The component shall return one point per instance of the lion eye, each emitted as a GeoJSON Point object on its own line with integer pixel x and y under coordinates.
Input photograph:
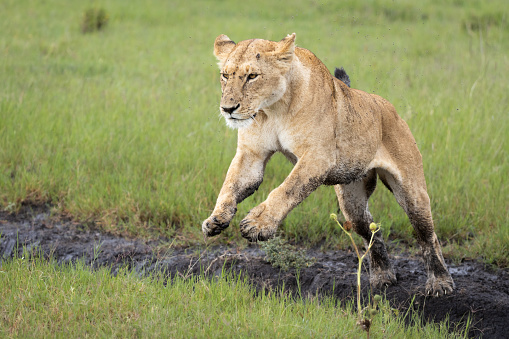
{"type": "Point", "coordinates": [252, 76]}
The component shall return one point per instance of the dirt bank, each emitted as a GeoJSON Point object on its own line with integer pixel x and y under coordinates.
{"type": "Point", "coordinates": [481, 293]}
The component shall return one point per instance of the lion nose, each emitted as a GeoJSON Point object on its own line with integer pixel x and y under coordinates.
{"type": "Point", "coordinates": [230, 109]}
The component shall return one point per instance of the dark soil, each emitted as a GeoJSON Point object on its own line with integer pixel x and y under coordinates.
{"type": "Point", "coordinates": [482, 293]}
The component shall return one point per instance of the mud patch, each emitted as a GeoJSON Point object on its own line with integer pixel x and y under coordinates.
{"type": "Point", "coordinates": [481, 293]}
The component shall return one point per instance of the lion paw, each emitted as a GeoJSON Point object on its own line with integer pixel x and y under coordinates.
{"type": "Point", "coordinates": [253, 229]}
{"type": "Point", "coordinates": [382, 278]}
{"type": "Point", "coordinates": [213, 226]}
{"type": "Point", "coordinates": [437, 286]}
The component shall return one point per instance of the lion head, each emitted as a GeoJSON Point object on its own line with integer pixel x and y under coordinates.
{"type": "Point", "coordinates": [253, 76]}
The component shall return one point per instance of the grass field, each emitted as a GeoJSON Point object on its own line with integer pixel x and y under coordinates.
{"type": "Point", "coordinates": [121, 126]}
{"type": "Point", "coordinates": [43, 299]}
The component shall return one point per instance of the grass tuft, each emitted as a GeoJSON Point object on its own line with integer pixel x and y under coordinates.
{"type": "Point", "coordinates": [94, 19]}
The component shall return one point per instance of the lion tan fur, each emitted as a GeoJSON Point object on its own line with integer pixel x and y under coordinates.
{"type": "Point", "coordinates": [282, 98]}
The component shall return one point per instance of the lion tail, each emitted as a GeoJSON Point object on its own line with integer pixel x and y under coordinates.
{"type": "Point", "coordinates": [340, 73]}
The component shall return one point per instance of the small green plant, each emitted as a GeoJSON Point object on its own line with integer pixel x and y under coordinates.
{"type": "Point", "coordinates": [10, 208]}
{"type": "Point", "coordinates": [364, 314]}
{"type": "Point", "coordinates": [97, 252]}
{"type": "Point", "coordinates": [94, 19]}
{"type": "Point", "coordinates": [281, 254]}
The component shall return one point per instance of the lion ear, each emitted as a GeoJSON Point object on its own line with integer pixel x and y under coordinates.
{"type": "Point", "coordinates": [286, 48]}
{"type": "Point", "coordinates": [222, 48]}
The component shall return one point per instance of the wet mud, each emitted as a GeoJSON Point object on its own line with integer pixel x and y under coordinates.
{"type": "Point", "coordinates": [482, 293]}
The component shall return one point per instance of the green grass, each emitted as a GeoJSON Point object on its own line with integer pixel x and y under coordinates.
{"type": "Point", "coordinates": [121, 126]}
{"type": "Point", "coordinates": [42, 299]}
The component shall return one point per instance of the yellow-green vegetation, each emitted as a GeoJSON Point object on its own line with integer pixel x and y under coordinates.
{"type": "Point", "coordinates": [121, 126]}
{"type": "Point", "coordinates": [364, 314]}
{"type": "Point", "coordinates": [42, 299]}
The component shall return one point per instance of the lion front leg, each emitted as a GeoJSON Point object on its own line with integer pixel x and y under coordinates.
{"type": "Point", "coordinates": [262, 221]}
{"type": "Point", "coordinates": [243, 178]}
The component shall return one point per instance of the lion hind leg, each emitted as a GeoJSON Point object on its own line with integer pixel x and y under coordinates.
{"type": "Point", "coordinates": [411, 194]}
{"type": "Point", "coordinates": [353, 203]}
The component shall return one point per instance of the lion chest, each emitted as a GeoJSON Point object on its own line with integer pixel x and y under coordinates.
{"type": "Point", "coordinates": [284, 143]}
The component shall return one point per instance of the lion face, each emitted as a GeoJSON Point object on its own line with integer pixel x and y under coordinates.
{"type": "Point", "coordinates": [253, 76]}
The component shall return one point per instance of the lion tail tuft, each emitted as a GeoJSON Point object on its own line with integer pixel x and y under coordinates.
{"type": "Point", "coordinates": [340, 73]}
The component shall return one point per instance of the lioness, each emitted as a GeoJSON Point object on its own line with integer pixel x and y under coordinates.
{"type": "Point", "coordinates": [283, 98]}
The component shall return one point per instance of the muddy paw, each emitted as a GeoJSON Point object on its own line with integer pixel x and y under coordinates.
{"type": "Point", "coordinates": [214, 225]}
{"type": "Point", "coordinates": [437, 286]}
{"type": "Point", "coordinates": [381, 279]}
{"type": "Point", "coordinates": [258, 226]}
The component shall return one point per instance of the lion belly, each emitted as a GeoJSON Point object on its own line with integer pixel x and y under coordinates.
{"type": "Point", "coordinates": [345, 174]}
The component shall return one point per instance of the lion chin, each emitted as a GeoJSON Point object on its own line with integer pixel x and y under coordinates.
{"type": "Point", "coordinates": [333, 134]}
{"type": "Point", "coordinates": [238, 123]}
